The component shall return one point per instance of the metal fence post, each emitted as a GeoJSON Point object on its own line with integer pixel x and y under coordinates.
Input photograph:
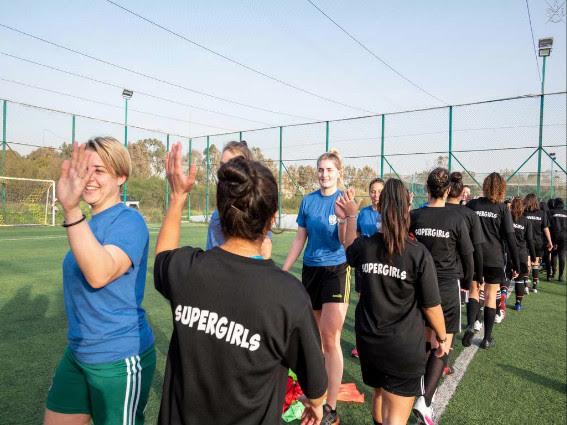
{"type": "Point", "coordinates": [240, 136]}
{"type": "Point", "coordinates": [190, 162]}
{"type": "Point", "coordinates": [280, 180]}
{"type": "Point", "coordinates": [73, 126]}
{"type": "Point", "coordinates": [207, 159]}
{"type": "Point", "coordinates": [450, 137]}
{"type": "Point", "coordinates": [326, 136]}
{"type": "Point", "coordinates": [382, 149]}
{"type": "Point", "coordinates": [166, 182]}
{"type": "Point", "coordinates": [4, 146]}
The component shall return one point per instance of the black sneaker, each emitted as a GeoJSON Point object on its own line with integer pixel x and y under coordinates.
{"type": "Point", "coordinates": [467, 337]}
{"type": "Point", "coordinates": [330, 416]}
{"type": "Point", "coordinates": [487, 343]}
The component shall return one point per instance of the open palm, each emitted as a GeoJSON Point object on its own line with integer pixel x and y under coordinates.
{"type": "Point", "coordinates": [75, 174]}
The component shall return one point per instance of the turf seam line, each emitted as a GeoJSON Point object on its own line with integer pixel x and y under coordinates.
{"type": "Point", "coordinates": [447, 389]}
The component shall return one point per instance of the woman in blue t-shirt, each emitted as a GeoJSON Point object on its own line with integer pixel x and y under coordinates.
{"type": "Point", "coordinates": [107, 368]}
{"type": "Point", "coordinates": [325, 273]}
{"type": "Point", "coordinates": [215, 236]}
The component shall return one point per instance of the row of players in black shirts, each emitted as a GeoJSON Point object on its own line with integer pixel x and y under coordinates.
{"type": "Point", "coordinates": [449, 245]}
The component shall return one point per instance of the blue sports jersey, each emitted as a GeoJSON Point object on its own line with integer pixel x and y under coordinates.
{"type": "Point", "coordinates": [369, 221]}
{"type": "Point", "coordinates": [317, 216]}
{"type": "Point", "coordinates": [109, 324]}
{"type": "Point", "coordinates": [215, 237]}
{"type": "Point", "coordinates": [214, 232]}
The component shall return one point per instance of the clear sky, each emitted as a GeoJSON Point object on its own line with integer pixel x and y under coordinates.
{"type": "Point", "coordinates": [458, 51]}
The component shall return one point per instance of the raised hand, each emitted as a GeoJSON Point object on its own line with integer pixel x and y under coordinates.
{"type": "Point", "coordinates": [75, 174]}
{"type": "Point", "coordinates": [180, 183]}
{"type": "Point", "coordinates": [346, 204]}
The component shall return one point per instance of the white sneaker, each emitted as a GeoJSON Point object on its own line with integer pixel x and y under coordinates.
{"type": "Point", "coordinates": [423, 413]}
{"type": "Point", "coordinates": [499, 317]}
{"type": "Point", "coordinates": [527, 291]}
{"type": "Point", "coordinates": [477, 326]}
{"type": "Point", "coordinates": [534, 290]}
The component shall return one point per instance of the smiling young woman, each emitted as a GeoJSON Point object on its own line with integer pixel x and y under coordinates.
{"type": "Point", "coordinates": [107, 368]}
{"type": "Point", "coordinates": [325, 274]}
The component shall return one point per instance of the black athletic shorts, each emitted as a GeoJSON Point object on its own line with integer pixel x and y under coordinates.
{"type": "Point", "coordinates": [406, 387]}
{"type": "Point", "coordinates": [539, 251]}
{"type": "Point", "coordinates": [494, 275]}
{"type": "Point", "coordinates": [326, 284]}
{"type": "Point", "coordinates": [450, 292]}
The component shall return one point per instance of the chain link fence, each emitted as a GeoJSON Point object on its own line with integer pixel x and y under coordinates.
{"type": "Point", "coordinates": [523, 138]}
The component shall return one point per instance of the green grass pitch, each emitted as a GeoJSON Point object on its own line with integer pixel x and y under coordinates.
{"type": "Point", "coordinates": [521, 380]}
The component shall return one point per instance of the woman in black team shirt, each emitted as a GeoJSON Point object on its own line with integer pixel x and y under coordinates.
{"type": "Point", "coordinates": [542, 237]}
{"type": "Point", "coordinates": [559, 236]}
{"type": "Point", "coordinates": [524, 241]}
{"type": "Point", "coordinates": [397, 284]}
{"type": "Point", "coordinates": [444, 233]}
{"type": "Point", "coordinates": [475, 232]}
{"type": "Point", "coordinates": [497, 226]}
{"type": "Point", "coordinates": [239, 321]}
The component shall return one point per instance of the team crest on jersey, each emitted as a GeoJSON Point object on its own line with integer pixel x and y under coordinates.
{"type": "Point", "coordinates": [332, 219]}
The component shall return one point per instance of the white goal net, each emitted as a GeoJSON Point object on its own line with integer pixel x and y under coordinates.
{"type": "Point", "coordinates": [26, 202]}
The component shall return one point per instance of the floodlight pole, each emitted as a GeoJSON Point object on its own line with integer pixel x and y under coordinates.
{"type": "Point", "coordinates": [189, 196]}
{"type": "Point", "coordinates": [124, 186]}
{"type": "Point", "coordinates": [540, 144]}
{"type": "Point", "coordinates": [280, 192]}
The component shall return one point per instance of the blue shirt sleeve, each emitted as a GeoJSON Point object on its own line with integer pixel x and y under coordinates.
{"type": "Point", "coordinates": [301, 218]}
{"type": "Point", "coordinates": [129, 233]}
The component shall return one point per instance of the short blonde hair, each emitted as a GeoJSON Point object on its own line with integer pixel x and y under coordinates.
{"type": "Point", "coordinates": [113, 154]}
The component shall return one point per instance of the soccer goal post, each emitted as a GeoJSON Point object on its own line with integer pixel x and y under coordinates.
{"type": "Point", "coordinates": [25, 202]}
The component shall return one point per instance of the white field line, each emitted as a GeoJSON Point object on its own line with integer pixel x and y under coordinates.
{"type": "Point", "coordinates": [33, 238]}
{"type": "Point", "coordinates": [447, 389]}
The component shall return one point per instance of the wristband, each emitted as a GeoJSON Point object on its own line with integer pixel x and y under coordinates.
{"type": "Point", "coordinates": [83, 218]}
{"type": "Point", "coordinates": [439, 340]}
{"type": "Point", "coordinates": [352, 216]}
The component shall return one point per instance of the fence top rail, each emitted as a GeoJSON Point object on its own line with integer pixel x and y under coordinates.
{"type": "Point", "coordinates": [526, 96]}
{"type": "Point", "coordinates": [433, 108]}
{"type": "Point", "coordinates": [28, 105]}
{"type": "Point", "coordinates": [25, 179]}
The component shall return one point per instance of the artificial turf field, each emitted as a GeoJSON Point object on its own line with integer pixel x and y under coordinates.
{"type": "Point", "coordinates": [520, 381]}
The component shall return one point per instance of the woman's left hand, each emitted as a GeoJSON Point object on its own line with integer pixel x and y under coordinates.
{"type": "Point", "coordinates": [180, 183]}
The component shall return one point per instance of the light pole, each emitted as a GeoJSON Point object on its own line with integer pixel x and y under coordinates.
{"type": "Point", "coordinates": [544, 51]}
{"type": "Point", "coordinates": [552, 157]}
{"type": "Point", "coordinates": [127, 95]}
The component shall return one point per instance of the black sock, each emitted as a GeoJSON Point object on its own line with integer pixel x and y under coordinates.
{"type": "Point", "coordinates": [376, 422]}
{"type": "Point", "coordinates": [433, 373]}
{"type": "Point", "coordinates": [520, 287]}
{"type": "Point", "coordinates": [489, 315]}
{"type": "Point", "coordinates": [472, 311]}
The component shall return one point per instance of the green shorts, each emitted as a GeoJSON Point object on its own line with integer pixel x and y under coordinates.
{"type": "Point", "coordinates": [112, 393]}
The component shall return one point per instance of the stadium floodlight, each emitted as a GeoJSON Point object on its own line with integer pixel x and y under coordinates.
{"type": "Point", "coordinates": [127, 94]}
{"type": "Point", "coordinates": [545, 45]}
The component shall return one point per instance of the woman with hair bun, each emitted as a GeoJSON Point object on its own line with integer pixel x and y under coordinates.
{"type": "Point", "coordinates": [215, 236]}
{"type": "Point", "coordinates": [445, 234]}
{"type": "Point", "coordinates": [498, 229]}
{"type": "Point", "coordinates": [239, 321]}
{"type": "Point", "coordinates": [325, 273]}
{"type": "Point", "coordinates": [559, 237]}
